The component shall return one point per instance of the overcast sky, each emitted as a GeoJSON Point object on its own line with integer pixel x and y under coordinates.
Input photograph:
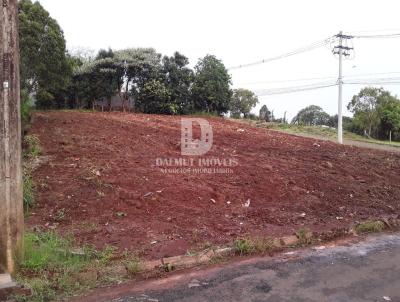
{"type": "Point", "coordinates": [240, 32]}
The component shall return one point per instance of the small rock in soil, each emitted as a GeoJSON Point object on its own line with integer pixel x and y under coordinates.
{"type": "Point", "coordinates": [247, 204]}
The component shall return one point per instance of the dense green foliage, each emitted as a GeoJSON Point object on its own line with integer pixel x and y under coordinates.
{"type": "Point", "coordinates": [376, 113]}
{"type": "Point", "coordinates": [178, 80]}
{"type": "Point", "coordinates": [144, 80]}
{"type": "Point", "coordinates": [157, 85]}
{"type": "Point", "coordinates": [26, 107]}
{"type": "Point", "coordinates": [45, 71]}
{"type": "Point", "coordinates": [154, 97]}
{"type": "Point", "coordinates": [211, 87]}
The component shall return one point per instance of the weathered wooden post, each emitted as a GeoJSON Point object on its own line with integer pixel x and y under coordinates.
{"type": "Point", "coordinates": [11, 204]}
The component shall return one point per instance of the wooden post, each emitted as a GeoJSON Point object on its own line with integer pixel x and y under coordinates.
{"type": "Point", "coordinates": [11, 205]}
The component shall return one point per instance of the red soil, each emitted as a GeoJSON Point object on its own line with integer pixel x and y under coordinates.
{"type": "Point", "coordinates": [102, 169]}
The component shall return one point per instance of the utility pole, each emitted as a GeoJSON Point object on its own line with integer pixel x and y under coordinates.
{"type": "Point", "coordinates": [340, 82]}
{"type": "Point", "coordinates": [11, 205]}
{"type": "Point", "coordinates": [341, 50]}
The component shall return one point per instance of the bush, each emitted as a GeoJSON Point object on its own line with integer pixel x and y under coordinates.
{"type": "Point", "coordinates": [32, 146]}
{"type": "Point", "coordinates": [26, 108]}
{"type": "Point", "coordinates": [243, 246]}
{"type": "Point", "coordinates": [370, 227]}
{"type": "Point", "coordinates": [28, 190]}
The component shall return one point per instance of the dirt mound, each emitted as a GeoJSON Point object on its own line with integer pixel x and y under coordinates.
{"type": "Point", "coordinates": [103, 185]}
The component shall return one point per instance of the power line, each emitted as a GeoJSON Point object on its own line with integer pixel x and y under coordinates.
{"type": "Point", "coordinates": [284, 90]}
{"type": "Point", "coordinates": [372, 83]}
{"type": "Point", "coordinates": [375, 30]}
{"type": "Point", "coordinates": [346, 50]}
{"type": "Point", "coordinates": [318, 78]}
{"type": "Point", "coordinates": [292, 89]}
{"type": "Point", "coordinates": [383, 36]}
{"type": "Point", "coordinates": [290, 80]}
{"type": "Point", "coordinates": [377, 79]}
{"type": "Point", "coordinates": [369, 74]}
{"type": "Point", "coordinates": [289, 54]}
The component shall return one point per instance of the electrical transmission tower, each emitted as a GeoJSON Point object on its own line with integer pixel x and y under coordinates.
{"type": "Point", "coordinates": [343, 50]}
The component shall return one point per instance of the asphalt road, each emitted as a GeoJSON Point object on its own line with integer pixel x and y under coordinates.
{"type": "Point", "coordinates": [366, 271]}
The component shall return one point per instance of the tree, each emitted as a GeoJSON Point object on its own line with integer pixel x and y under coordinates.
{"type": "Point", "coordinates": [265, 114]}
{"type": "Point", "coordinates": [311, 116]}
{"type": "Point", "coordinates": [364, 108]}
{"type": "Point", "coordinates": [106, 75]}
{"type": "Point", "coordinates": [92, 81]}
{"type": "Point", "coordinates": [154, 97]}
{"type": "Point", "coordinates": [178, 80]}
{"type": "Point", "coordinates": [242, 102]}
{"type": "Point", "coordinates": [44, 66]}
{"type": "Point", "coordinates": [211, 88]}
{"type": "Point", "coordinates": [389, 113]}
{"type": "Point", "coordinates": [136, 67]}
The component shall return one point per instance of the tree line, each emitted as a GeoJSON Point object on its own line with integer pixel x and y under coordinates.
{"type": "Point", "coordinates": [155, 83]}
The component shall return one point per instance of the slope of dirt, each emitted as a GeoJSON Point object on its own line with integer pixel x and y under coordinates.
{"type": "Point", "coordinates": [101, 183]}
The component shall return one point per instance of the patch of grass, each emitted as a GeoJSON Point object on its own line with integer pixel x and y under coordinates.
{"type": "Point", "coordinates": [133, 266]}
{"type": "Point", "coordinates": [28, 190]}
{"type": "Point", "coordinates": [250, 246]}
{"type": "Point", "coordinates": [49, 266]}
{"type": "Point", "coordinates": [243, 246]}
{"type": "Point", "coordinates": [42, 291]}
{"type": "Point", "coordinates": [263, 245]}
{"type": "Point", "coordinates": [370, 227]}
{"type": "Point", "coordinates": [305, 236]}
{"type": "Point", "coordinates": [32, 149]}
{"type": "Point", "coordinates": [107, 254]}
{"type": "Point", "coordinates": [54, 268]}
{"type": "Point", "coordinates": [48, 251]}
{"type": "Point", "coordinates": [319, 131]}
{"type": "Point", "coordinates": [32, 146]}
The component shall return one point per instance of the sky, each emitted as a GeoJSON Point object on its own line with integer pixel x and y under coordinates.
{"type": "Point", "coordinates": [240, 32]}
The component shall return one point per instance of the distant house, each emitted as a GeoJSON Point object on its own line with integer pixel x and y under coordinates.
{"type": "Point", "coordinates": [116, 104]}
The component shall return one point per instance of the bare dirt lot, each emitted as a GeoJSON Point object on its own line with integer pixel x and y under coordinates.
{"type": "Point", "coordinates": [100, 182]}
